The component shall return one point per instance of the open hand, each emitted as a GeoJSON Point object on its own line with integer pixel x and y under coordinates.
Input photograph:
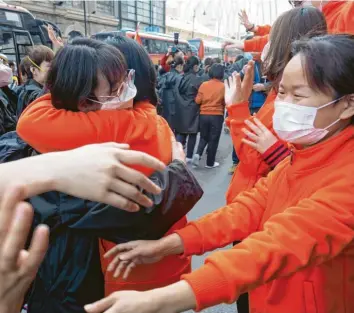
{"type": "Point", "coordinates": [115, 183]}
{"type": "Point", "coordinates": [237, 91]}
{"type": "Point", "coordinates": [56, 41]}
{"type": "Point", "coordinates": [259, 137]}
{"type": "Point", "coordinates": [128, 255]}
{"type": "Point", "coordinates": [244, 20]}
{"type": "Point", "coordinates": [18, 267]}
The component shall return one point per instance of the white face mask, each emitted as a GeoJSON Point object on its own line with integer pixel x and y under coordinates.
{"type": "Point", "coordinates": [125, 95]}
{"type": "Point", "coordinates": [294, 123]}
{"type": "Point", "coordinates": [5, 75]}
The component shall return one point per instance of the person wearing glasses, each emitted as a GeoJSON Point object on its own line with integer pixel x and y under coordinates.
{"type": "Point", "coordinates": [93, 99]}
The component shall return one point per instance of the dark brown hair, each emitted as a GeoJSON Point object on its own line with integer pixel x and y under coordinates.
{"type": "Point", "coordinates": [328, 63]}
{"type": "Point", "coordinates": [35, 56]}
{"type": "Point", "coordinates": [290, 26]}
{"type": "Point", "coordinates": [74, 72]}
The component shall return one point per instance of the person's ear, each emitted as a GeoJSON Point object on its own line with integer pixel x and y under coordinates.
{"type": "Point", "coordinates": [33, 70]}
{"type": "Point", "coordinates": [348, 107]}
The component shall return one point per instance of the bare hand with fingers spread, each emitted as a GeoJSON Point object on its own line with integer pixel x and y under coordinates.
{"type": "Point", "coordinates": [18, 267]}
{"type": "Point", "coordinates": [128, 255]}
{"type": "Point", "coordinates": [259, 137]}
{"type": "Point", "coordinates": [237, 91]}
{"type": "Point", "coordinates": [244, 20]}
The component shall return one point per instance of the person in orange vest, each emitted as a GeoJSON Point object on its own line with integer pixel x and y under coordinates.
{"type": "Point", "coordinates": [339, 16]}
{"type": "Point", "coordinates": [297, 224]}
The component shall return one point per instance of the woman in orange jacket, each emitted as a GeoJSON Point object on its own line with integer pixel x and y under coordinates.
{"type": "Point", "coordinates": [339, 16]}
{"type": "Point", "coordinates": [257, 163]}
{"type": "Point", "coordinates": [93, 99]}
{"type": "Point", "coordinates": [297, 224]}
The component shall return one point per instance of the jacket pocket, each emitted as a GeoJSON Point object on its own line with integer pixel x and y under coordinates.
{"type": "Point", "coordinates": [309, 297]}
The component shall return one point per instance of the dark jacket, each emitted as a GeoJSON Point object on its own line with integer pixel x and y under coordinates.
{"type": "Point", "coordinates": [187, 113]}
{"type": "Point", "coordinates": [70, 275]}
{"type": "Point", "coordinates": [27, 93]}
{"type": "Point", "coordinates": [8, 119]}
{"type": "Point", "coordinates": [167, 84]}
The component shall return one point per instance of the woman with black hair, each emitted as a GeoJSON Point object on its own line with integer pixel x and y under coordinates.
{"type": "Point", "coordinates": [93, 99]}
{"type": "Point", "coordinates": [211, 98]}
{"type": "Point", "coordinates": [187, 110]}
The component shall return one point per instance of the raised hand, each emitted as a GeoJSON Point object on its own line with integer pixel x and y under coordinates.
{"type": "Point", "coordinates": [18, 267]}
{"type": "Point", "coordinates": [56, 41]}
{"type": "Point", "coordinates": [259, 137]}
{"type": "Point", "coordinates": [237, 91]}
{"type": "Point", "coordinates": [244, 20]}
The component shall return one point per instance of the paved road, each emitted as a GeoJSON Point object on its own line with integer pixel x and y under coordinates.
{"type": "Point", "coordinates": [214, 183]}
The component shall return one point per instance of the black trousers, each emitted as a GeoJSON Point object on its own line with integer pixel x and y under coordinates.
{"type": "Point", "coordinates": [210, 131]}
{"type": "Point", "coordinates": [192, 140]}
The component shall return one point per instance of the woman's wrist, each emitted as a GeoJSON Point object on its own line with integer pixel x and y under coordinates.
{"type": "Point", "coordinates": [178, 297]}
{"type": "Point", "coordinates": [171, 245]}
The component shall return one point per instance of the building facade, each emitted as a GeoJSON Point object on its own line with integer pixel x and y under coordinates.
{"type": "Point", "coordinates": [80, 18]}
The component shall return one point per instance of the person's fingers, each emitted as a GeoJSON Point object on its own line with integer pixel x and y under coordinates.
{"type": "Point", "coordinates": [114, 263]}
{"type": "Point", "coordinates": [120, 202]}
{"type": "Point", "coordinates": [226, 84]}
{"type": "Point", "coordinates": [120, 268]}
{"type": "Point", "coordinates": [121, 248]}
{"type": "Point", "coordinates": [10, 198]}
{"type": "Point", "coordinates": [16, 236]}
{"type": "Point", "coordinates": [37, 250]}
{"type": "Point", "coordinates": [249, 73]}
{"type": "Point", "coordinates": [250, 143]}
{"type": "Point", "coordinates": [101, 305]}
{"type": "Point", "coordinates": [136, 178]}
{"type": "Point", "coordinates": [131, 254]}
{"type": "Point", "coordinates": [140, 158]}
{"type": "Point", "coordinates": [250, 135]}
{"type": "Point", "coordinates": [238, 81]}
{"type": "Point", "coordinates": [131, 192]}
{"type": "Point", "coordinates": [260, 125]}
{"type": "Point", "coordinates": [254, 128]}
{"type": "Point", "coordinates": [128, 270]}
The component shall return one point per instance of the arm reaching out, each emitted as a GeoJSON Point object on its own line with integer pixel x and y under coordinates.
{"type": "Point", "coordinates": [78, 173]}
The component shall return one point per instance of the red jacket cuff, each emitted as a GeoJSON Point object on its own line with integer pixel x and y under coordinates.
{"type": "Point", "coordinates": [275, 154]}
{"type": "Point", "coordinates": [192, 240]}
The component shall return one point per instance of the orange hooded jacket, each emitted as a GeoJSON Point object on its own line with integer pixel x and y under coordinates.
{"type": "Point", "coordinates": [47, 129]}
{"type": "Point", "coordinates": [253, 165]}
{"type": "Point", "coordinates": [297, 227]}
{"type": "Point", "coordinates": [339, 16]}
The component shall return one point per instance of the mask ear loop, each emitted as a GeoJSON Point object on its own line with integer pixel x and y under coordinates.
{"type": "Point", "coordinates": [34, 64]}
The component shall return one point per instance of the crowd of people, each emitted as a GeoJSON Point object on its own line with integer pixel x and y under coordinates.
{"type": "Point", "coordinates": [95, 184]}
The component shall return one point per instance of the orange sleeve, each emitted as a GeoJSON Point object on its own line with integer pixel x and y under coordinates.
{"type": "Point", "coordinates": [199, 98]}
{"type": "Point", "coordinates": [308, 234]}
{"type": "Point", "coordinates": [226, 225]}
{"type": "Point", "coordinates": [263, 30]}
{"type": "Point", "coordinates": [256, 44]}
{"type": "Point", "coordinates": [47, 129]}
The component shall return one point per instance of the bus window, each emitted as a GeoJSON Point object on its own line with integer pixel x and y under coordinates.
{"type": "Point", "coordinates": [10, 18]}
{"type": "Point", "coordinates": [7, 45]}
{"type": "Point", "coordinates": [23, 42]}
